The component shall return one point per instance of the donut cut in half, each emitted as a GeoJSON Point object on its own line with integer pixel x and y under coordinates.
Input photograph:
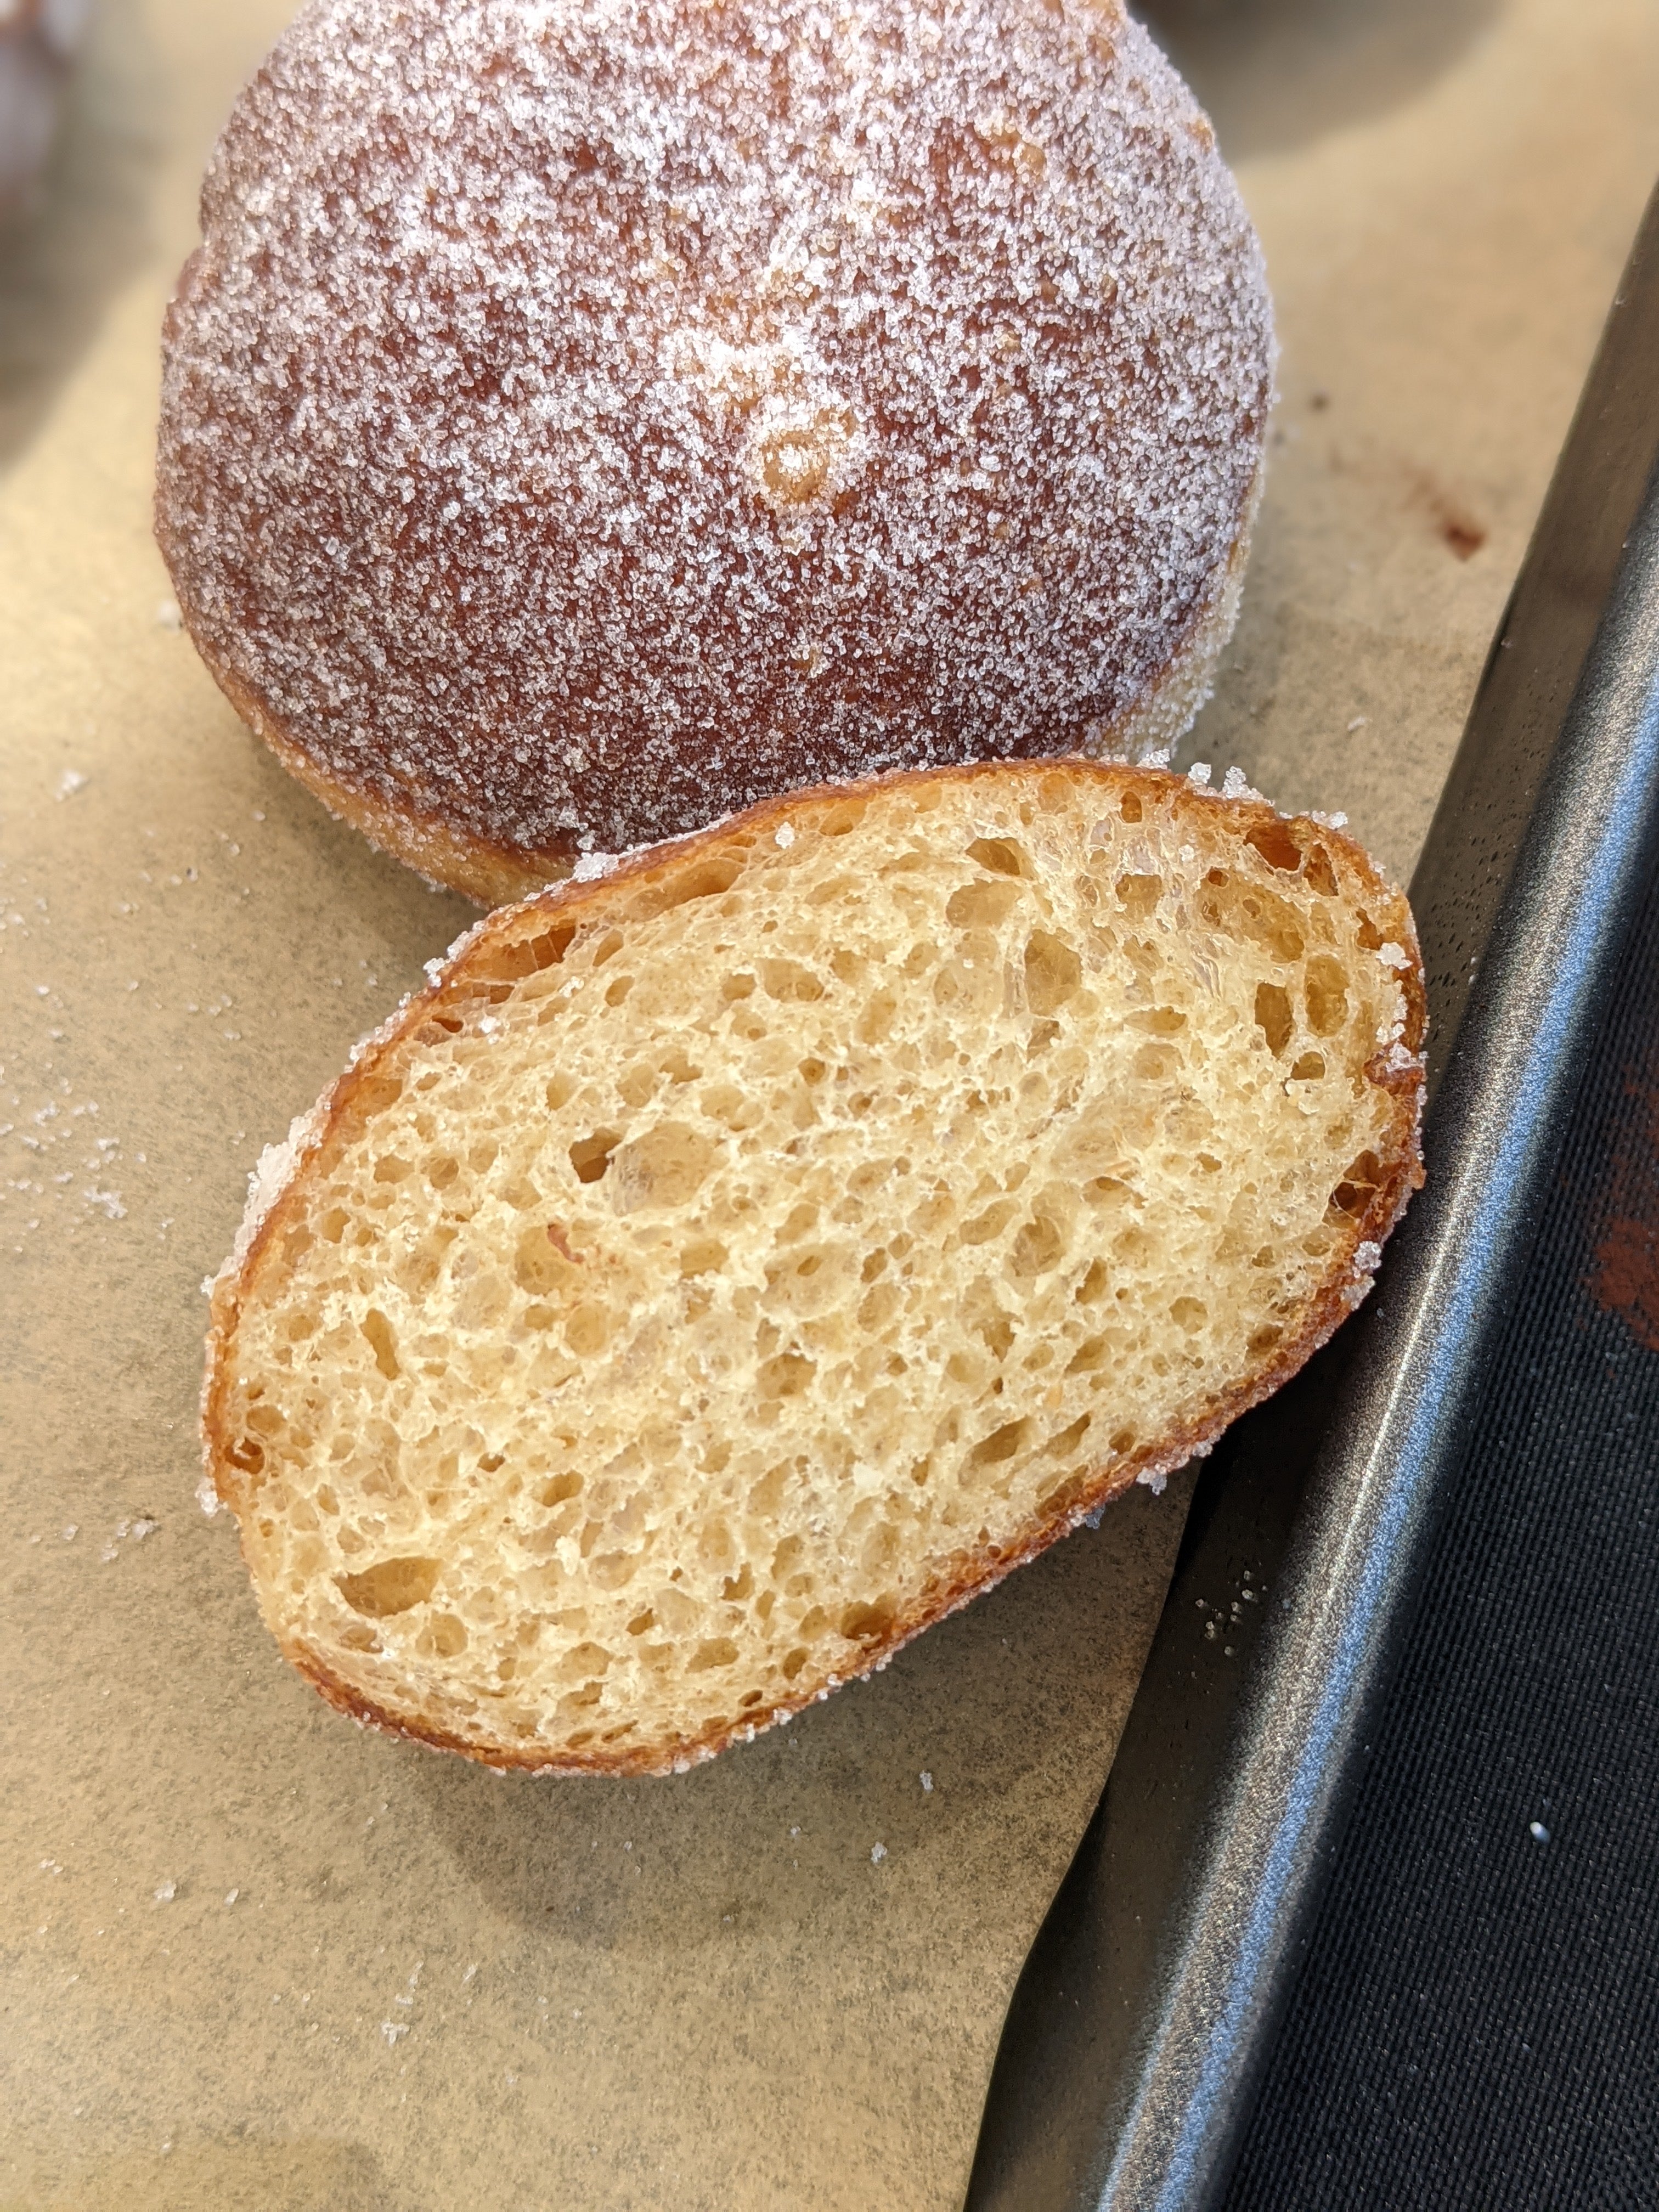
{"type": "Point", "coordinates": [734, 1262]}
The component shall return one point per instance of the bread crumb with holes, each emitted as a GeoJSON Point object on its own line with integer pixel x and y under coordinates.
{"type": "Point", "coordinates": [730, 1265]}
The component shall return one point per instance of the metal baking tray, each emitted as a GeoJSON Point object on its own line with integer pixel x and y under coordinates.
{"type": "Point", "coordinates": [1139, 2029]}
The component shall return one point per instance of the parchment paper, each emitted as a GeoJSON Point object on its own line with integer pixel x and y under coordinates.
{"type": "Point", "coordinates": [251, 1957]}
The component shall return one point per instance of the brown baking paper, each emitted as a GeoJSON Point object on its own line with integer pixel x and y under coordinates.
{"type": "Point", "coordinates": [251, 1957]}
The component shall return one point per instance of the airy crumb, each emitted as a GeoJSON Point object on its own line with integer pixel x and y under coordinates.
{"type": "Point", "coordinates": [770, 1245]}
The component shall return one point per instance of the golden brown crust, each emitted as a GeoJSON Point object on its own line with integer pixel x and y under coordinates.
{"type": "Point", "coordinates": [331, 1124]}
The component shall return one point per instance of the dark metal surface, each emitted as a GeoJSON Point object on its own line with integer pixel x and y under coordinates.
{"type": "Point", "coordinates": [1139, 2026]}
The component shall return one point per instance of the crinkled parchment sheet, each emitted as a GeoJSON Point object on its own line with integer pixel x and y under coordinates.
{"type": "Point", "coordinates": [251, 1958]}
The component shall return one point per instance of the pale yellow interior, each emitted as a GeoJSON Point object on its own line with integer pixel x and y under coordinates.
{"type": "Point", "coordinates": [694, 1291]}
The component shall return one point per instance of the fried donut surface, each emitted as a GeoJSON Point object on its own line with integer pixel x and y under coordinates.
{"type": "Point", "coordinates": [580, 420]}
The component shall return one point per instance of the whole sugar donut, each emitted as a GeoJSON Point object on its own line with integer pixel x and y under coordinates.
{"type": "Point", "coordinates": [586, 418]}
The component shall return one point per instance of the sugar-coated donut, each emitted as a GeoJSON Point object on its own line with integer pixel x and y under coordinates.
{"type": "Point", "coordinates": [586, 418]}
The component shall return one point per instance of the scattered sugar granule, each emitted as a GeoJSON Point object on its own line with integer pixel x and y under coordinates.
{"type": "Point", "coordinates": [108, 1202]}
{"type": "Point", "coordinates": [231, 1896]}
{"type": "Point", "coordinates": [1537, 1832]}
{"type": "Point", "coordinates": [134, 1531]}
{"type": "Point", "coordinates": [1198, 773]}
{"type": "Point", "coordinates": [1394, 957]}
{"type": "Point", "coordinates": [877, 1854]}
{"type": "Point", "coordinates": [1358, 723]}
{"type": "Point", "coordinates": [392, 2029]}
{"type": "Point", "coordinates": [166, 1891]}
{"type": "Point", "coordinates": [168, 616]}
{"type": "Point", "coordinates": [926, 1783]}
{"type": "Point", "coordinates": [69, 783]}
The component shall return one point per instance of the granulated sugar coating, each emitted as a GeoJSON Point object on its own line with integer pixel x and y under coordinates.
{"type": "Point", "coordinates": [582, 420]}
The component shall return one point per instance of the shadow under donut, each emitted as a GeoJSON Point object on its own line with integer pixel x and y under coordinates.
{"type": "Point", "coordinates": [1010, 1709]}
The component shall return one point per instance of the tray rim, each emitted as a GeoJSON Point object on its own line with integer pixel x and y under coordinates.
{"type": "Point", "coordinates": [1141, 2023]}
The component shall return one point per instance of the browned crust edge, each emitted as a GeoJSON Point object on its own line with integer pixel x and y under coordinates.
{"type": "Point", "coordinates": [492, 875]}
{"type": "Point", "coordinates": [973, 1572]}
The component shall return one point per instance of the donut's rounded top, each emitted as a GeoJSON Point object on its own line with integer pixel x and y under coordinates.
{"type": "Point", "coordinates": [586, 417]}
